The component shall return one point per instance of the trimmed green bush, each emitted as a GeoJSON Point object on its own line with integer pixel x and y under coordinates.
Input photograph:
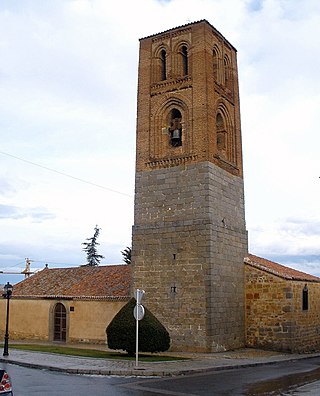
{"type": "Point", "coordinates": [121, 332]}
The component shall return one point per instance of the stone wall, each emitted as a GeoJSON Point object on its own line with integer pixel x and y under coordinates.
{"type": "Point", "coordinates": [189, 242]}
{"type": "Point", "coordinates": [275, 318]}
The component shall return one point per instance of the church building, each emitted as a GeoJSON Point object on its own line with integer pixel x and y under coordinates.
{"type": "Point", "coordinates": [189, 238]}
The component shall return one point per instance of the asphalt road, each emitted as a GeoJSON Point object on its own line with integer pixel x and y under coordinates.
{"type": "Point", "coordinates": [287, 378]}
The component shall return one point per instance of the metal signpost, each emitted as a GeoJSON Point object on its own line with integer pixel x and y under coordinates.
{"type": "Point", "coordinates": [138, 313]}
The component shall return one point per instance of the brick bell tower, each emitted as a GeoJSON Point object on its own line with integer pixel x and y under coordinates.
{"type": "Point", "coordinates": [189, 235]}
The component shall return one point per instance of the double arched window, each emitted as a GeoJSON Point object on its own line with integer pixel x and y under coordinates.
{"type": "Point", "coordinates": [222, 68]}
{"type": "Point", "coordinates": [167, 64]}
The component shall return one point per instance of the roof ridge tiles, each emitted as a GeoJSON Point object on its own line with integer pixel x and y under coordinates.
{"type": "Point", "coordinates": [279, 269]}
{"type": "Point", "coordinates": [70, 297]}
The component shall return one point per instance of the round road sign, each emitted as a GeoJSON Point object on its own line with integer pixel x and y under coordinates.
{"type": "Point", "coordinates": [138, 312]}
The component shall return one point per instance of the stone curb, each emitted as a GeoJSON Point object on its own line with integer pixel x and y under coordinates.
{"type": "Point", "coordinates": [150, 372]}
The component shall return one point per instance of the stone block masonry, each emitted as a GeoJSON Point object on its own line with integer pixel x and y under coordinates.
{"type": "Point", "coordinates": [275, 318]}
{"type": "Point", "coordinates": [189, 242]}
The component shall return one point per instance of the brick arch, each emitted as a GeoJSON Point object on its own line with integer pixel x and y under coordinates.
{"type": "Point", "coordinates": [158, 49]}
{"type": "Point", "coordinates": [225, 133]}
{"type": "Point", "coordinates": [161, 141]}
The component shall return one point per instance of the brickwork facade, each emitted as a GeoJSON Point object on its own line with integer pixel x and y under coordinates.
{"type": "Point", "coordinates": [203, 96]}
{"type": "Point", "coordinates": [189, 236]}
{"type": "Point", "coordinates": [282, 313]}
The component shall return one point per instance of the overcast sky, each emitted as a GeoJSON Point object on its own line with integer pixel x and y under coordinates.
{"type": "Point", "coordinates": [68, 83]}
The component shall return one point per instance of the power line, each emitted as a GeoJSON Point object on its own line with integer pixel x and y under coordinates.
{"type": "Point", "coordinates": [15, 265]}
{"type": "Point", "coordinates": [32, 261]}
{"type": "Point", "coordinates": [49, 262]}
{"type": "Point", "coordinates": [66, 174]}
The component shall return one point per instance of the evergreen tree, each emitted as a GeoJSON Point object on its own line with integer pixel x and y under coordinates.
{"type": "Point", "coordinates": [126, 253]}
{"type": "Point", "coordinates": [93, 258]}
{"type": "Point", "coordinates": [121, 332]}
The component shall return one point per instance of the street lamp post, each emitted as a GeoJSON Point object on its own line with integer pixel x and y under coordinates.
{"type": "Point", "coordinates": [7, 294]}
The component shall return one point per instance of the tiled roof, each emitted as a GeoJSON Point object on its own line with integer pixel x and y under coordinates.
{"type": "Point", "coordinates": [278, 269]}
{"type": "Point", "coordinates": [112, 281]}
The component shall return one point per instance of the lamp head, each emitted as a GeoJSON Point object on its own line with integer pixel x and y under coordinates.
{"type": "Point", "coordinates": [8, 288]}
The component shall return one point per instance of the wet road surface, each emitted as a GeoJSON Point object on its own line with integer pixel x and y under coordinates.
{"type": "Point", "coordinates": [287, 378]}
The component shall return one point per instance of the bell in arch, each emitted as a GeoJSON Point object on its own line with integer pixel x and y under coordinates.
{"type": "Point", "coordinates": [176, 134]}
{"type": "Point", "coordinates": [175, 128]}
{"type": "Point", "coordinates": [176, 138]}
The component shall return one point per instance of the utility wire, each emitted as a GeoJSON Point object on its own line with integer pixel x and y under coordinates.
{"type": "Point", "coordinates": [48, 262]}
{"type": "Point", "coordinates": [66, 175]}
{"type": "Point", "coordinates": [34, 261]}
{"type": "Point", "coordinates": [15, 265]}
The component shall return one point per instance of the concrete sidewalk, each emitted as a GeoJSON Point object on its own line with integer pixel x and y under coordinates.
{"type": "Point", "coordinates": [191, 363]}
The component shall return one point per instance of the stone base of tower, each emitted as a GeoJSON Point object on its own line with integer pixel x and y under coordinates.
{"type": "Point", "coordinates": [189, 243]}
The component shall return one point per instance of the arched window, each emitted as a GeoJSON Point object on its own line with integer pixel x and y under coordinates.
{"type": "Point", "coordinates": [221, 135]}
{"type": "Point", "coordinates": [60, 323]}
{"type": "Point", "coordinates": [163, 60]}
{"type": "Point", "coordinates": [184, 55]}
{"type": "Point", "coordinates": [215, 62]}
{"type": "Point", "coordinates": [175, 129]}
{"type": "Point", "coordinates": [225, 135]}
{"type": "Point", "coordinates": [305, 298]}
{"type": "Point", "coordinates": [227, 72]}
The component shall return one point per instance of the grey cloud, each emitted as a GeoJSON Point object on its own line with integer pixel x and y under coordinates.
{"type": "Point", "coordinates": [14, 212]}
{"type": "Point", "coordinates": [9, 211]}
{"type": "Point", "coordinates": [6, 188]}
{"type": "Point", "coordinates": [300, 226]}
{"type": "Point", "coordinates": [292, 241]}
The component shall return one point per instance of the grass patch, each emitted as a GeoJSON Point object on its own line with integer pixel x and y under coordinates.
{"type": "Point", "coordinates": [92, 353]}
